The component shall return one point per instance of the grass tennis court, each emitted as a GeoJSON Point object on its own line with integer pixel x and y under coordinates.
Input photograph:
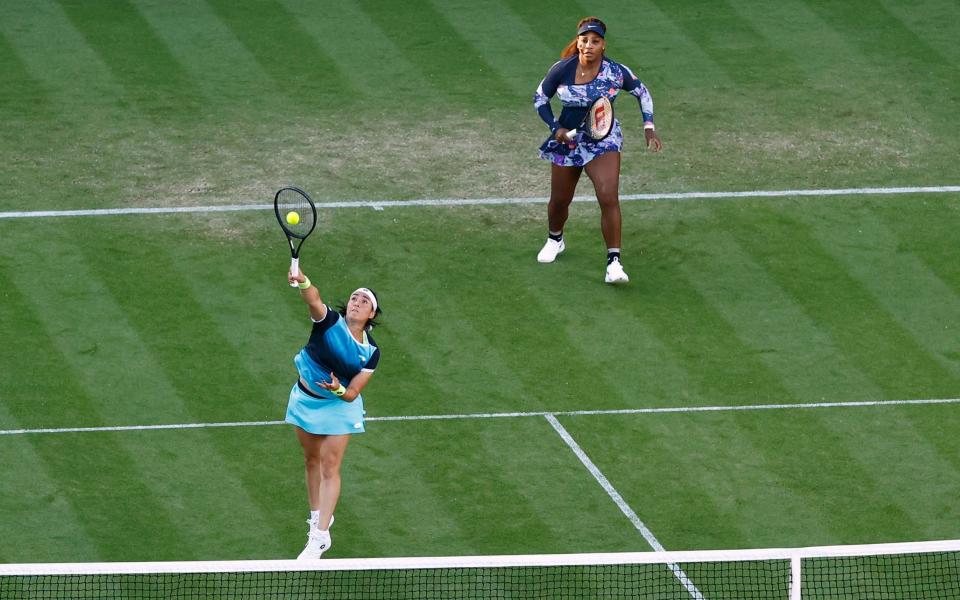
{"type": "Point", "coordinates": [164, 319]}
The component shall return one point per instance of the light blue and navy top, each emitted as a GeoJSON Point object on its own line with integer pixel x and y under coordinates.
{"type": "Point", "coordinates": [332, 348]}
{"type": "Point", "coordinates": [576, 98]}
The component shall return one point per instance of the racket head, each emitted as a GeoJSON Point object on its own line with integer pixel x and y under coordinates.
{"type": "Point", "coordinates": [599, 120]}
{"type": "Point", "coordinates": [294, 200]}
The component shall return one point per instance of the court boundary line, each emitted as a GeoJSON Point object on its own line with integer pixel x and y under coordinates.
{"type": "Point", "coordinates": [621, 503]}
{"type": "Point", "coordinates": [504, 415]}
{"type": "Point", "coordinates": [382, 204]}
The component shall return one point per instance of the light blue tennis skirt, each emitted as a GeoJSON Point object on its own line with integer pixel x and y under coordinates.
{"type": "Point", "coordinates": [324, 417]}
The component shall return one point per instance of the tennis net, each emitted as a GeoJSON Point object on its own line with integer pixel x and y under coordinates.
{"type": "Point", "coordinates": [916, 570]}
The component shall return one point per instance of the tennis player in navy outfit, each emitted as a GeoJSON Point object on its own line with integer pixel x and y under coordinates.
{"type": "Point", "coordinates": [325, 405]}
{"type": "Point", "coordinates": [583, 74]}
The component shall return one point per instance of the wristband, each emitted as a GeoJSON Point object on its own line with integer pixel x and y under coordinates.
{"type": "Point", "coordinates": [649, 125]}
{"type": "Point", "coordinates": [340, 391]}
{"type": "Point", "coordinates": [306, 283]}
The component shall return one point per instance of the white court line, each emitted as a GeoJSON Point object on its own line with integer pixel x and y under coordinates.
{"type": "Point", "coordinates": [572, 413]}
{"type": "Point", "coordinates": [621, 503]}
{"type": "Point", "coordinates": [381, 204]}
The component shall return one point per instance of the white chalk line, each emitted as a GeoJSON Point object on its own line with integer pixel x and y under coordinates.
{"type": "Point", "coordinates": [382, 204]}
{"type": "Point", "coordinates": [506, 415]}
{"type": "Point", "coordinates": [622, 504]}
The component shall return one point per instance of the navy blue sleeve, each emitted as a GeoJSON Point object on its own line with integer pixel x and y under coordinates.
{"type": "Point", "coordinates": [373, 361]}
{"type": "Point", "coordinates": [327, 322]}
{"type": "Point", "coordinates": [548, 88]}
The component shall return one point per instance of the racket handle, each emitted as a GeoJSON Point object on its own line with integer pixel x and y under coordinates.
{"type": "Point", "coordinates": [571, 134]}
{"type": "Point", "coordinates": [294, 269]}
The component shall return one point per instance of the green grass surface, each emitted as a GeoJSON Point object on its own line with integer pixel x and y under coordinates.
{"type": "Point", "coordinates": [132, 319]}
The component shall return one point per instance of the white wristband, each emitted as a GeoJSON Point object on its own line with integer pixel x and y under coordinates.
{"type": "Point", "coordinates": [649, 125]}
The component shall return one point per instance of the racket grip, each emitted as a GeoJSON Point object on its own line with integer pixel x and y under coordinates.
{"type": "Point", "coordinates": [571, 135]}
{"type": "Point", "coordinates": [294, 269]}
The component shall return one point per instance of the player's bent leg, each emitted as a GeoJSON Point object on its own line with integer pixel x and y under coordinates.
{"type": "Point", "coordinates": [604, 172]}
{"type": "Point", "coordinates": [563, 184]}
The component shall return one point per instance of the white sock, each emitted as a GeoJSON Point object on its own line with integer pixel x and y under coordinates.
{"type": "Point", "coordinates": [315, 518]}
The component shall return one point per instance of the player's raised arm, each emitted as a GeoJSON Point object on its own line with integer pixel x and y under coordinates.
{"type": "Point", "coordinates": [310, 294]}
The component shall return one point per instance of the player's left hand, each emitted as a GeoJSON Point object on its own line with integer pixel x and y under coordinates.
{"type": "Point", "coordinates": [333, 384]}
{"type": "Point", "coordinates": [653, 140]}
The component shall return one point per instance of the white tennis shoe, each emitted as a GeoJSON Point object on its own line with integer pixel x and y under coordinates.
{"type": "Point", "coordinates": [315, 541]}
{"type": "Point", "coordinates": [615, 272]}
{"type": "Point", "coordinates": [550, 250]}
{"type": "Point", "coordinates": [318, 542]}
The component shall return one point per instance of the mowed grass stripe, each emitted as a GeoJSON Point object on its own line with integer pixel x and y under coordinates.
{"type": "Point", "coordinates": [106, 466]}
{"type": "Point", "coordinates": [659, 52]}
{"type": "Point", "coordinates": [375, 65]}
{"type": "Point", "coordinates": [519, 355]}
{"type": "Point", "coordinates": [839, 303]}
{"type": "Point", "coordinates": [936, 221]}
{"type": "Point", "coordinates": [275, 322]}
{"type": "Point", "coordinates": [899, 281]}
{"type": "Point", "coordinates": [169, 320]}
{"type": "Point", "coordinates": [426, 344]}
{"type": "Point", "coordinates": [723, 368]}
{"type": "Point", "coordinates": [633, 358]}
{"type": "Point", "coordinates": [884, 38]}
{"type": "Point", "coordinates": [298, 62]}
{"type": "Point", "coordinates": [57, 56]}
{"type": "Point", "coordinates": [548, 362]}
{"type": "Point", "coordinates": [770, 481]}
{"type": "Point", "coordinates": [454, 70]}
{"type": "Point", "coordinates": [554, 27]}
{"type": "Point", "coordinates": [903, 452]}
{"type": "Point", "coordinates": [476, 495]}
{"type": "Point", "coordinates": [95, 334]}
{"type": "Point", "coordinates": [153, 79]}
{"type": "Point", "coordinates": [695, 481]}
{"type": "Point", "coordinates": [204, 370]}
{"type": "Point", "coordinates": [936, 22]}
{"type": "Point", "coordinates": [21, 95]}
{"type": "Point", "coordinates": [747, 57]}
{"type": "Point", "coordinates": [505, 41]}
{"type": "Point", "coordinates": [814, 44]}
{"type": "Point", "coordinates": [34, 500]}
{"type": "Point", "coordinates": [769, 320]}
{"type": "Point", "coordinates": [99, 343]}
{"type": "Point", "coordinates": [210, 52]}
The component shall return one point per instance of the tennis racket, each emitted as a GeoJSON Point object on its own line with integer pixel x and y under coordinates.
{"type": "Point", "coordinates": [598, 121]}
{"type": "Point", "coordinates": [297, 216]}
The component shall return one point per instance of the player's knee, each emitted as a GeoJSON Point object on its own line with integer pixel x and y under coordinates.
{"type": "Point", "coordinates": [330, 471]}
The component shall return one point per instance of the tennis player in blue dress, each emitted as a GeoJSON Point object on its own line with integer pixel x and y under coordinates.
{"type": "Point", "coordinates": [324, 411]}
{"type": "Point", "coordinates": [583, 74]}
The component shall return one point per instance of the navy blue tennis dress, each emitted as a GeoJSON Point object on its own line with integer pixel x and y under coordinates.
{"type": "Point", "coordinates": [576, 98]}
{"type": "Point", "coordinates": [331, 348]}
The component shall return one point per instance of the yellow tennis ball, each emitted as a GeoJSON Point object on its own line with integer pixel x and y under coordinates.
{"type": "Point", "coordinates": [293, 217]}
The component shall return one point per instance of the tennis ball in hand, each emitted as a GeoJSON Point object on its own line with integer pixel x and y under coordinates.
{"type": "Point", "coordinates": [293, 217]}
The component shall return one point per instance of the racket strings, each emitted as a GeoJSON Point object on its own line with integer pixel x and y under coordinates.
{"type": "Point", "coordinates": [289, 201]}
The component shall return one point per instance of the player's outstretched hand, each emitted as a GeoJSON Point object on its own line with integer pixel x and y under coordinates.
{"type": "Point", "coordinates": [653, 140]}
{"type": "Point", "coordinates": [295, 278]}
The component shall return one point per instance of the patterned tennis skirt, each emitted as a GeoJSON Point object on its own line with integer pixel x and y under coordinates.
{"type": "Point", "coordinates": [563, 155]}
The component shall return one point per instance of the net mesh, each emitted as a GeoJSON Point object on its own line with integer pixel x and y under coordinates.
{"type": "Point", "coordinates": [720, 575]}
